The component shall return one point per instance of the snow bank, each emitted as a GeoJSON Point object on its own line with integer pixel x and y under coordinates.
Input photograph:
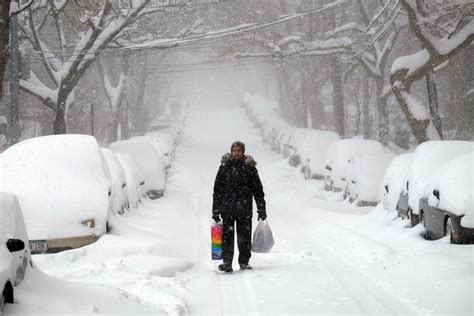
{"type": "Point", "coordinates": [454, 182]}
{"type": "Point", "coordinates": [60, 182]}
{"type": "Point", "coordinates": [394, 181]}
{"type": "Point", "coordinates": [428, 157]}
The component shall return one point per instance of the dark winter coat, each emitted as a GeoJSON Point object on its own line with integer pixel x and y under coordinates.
{"type": "Point", "coordinates": [237, 181]}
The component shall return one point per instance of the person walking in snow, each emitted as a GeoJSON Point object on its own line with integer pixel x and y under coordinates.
{"type": "Point", "coordinates": [237, 182]}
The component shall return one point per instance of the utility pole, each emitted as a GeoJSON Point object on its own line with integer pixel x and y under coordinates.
{"type": "Point", "coordinates": [431, 85]}
{"type": "Point", "coordinates": [14, 76]}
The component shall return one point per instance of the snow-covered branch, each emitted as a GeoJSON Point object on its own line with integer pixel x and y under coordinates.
{"type": "Point", "coordinates": [407, 69]}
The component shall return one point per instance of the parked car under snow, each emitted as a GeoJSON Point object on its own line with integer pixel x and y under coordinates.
{"type": "Point", "coordinates": [14, 249]}
{"type": "Point", "coordinates": [394, 181]}
{"type": "Point", "coordinates": [119, 196]}
{"type": "Point", "coordinates": [313, 152]}
{"type": "Point", "coordinates": [427, 158]}
{"type": "Point", "coordinates": [62, 188]}
{"type": "Point", "coordinates": [149, 161]}
{"type": "Point", "coordinates": [447, 203]}
{"type": "Point", "coordinates": [135, 179]}
{"type": "Point", "coordinates": [365, 175]}
{"type": "Point", "coordinates": [337, 160]}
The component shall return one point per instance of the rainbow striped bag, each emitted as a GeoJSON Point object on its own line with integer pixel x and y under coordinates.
{"type": "Point", "coordinates": [216, 238]}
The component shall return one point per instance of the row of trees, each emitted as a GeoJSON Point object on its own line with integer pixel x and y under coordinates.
{"type": "Point", "coordinates": [374, 58]}
{"type": "Point", "coordinates": [367, 60]}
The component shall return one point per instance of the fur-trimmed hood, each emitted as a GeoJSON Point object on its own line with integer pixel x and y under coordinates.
{"type": "Point", "coordinates": [248, 160]}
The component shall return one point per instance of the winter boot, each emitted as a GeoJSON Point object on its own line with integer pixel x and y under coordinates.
{"type": "Point", "coordinates": [227, 268]}
{"type": "Point", "coordinates": [245, 266]}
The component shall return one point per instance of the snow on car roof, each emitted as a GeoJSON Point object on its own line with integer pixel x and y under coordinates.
{"type": "Point", "coordinates": [316, 144]}
{"type": "Point", "coordinates": [341, 150]}
{"type": "Point", "coordinates": [61, 187]}
{"type": "Point", "coordinates": [395, 178]}
{"type": "Point", "coordinates": [147, 158]}
{"type": "Point", "coordinates": [428, 157]}
{"type": "Point", "coordinates": [454, 182]}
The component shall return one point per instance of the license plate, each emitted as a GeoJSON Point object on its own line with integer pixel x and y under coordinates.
{"type": "Point", "coordinates": [39, 246]}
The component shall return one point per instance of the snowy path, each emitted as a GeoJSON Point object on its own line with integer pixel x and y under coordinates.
{"type": "Point", "coordinates": [301, 275]}
{"type": "Point", "coordinates": [329, 256]}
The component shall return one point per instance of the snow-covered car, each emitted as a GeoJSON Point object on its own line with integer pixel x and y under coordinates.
{"type": "Point", "coordinates": [288, 140]}
{"type": "Point", "coordinates": [447, 202]}
{"type": "Point", "coordinates": [166, 142]}
{"type": "Point", "coordinates": [149, 161]}
{"type": "Point", "coordinates": [365, 175]}
{"type": "Point", "coordinates": [337, 160]}
{"type": "Point", "coordinates": [14, 249]}
{"type": "Point", "coordinates": [427, 158]}
{"type": "Point", "coordinates": [176, 108]}
{"type": "Point", "coordinates": [169, 126]}
{"type": "Point", "coordinates": [313, 152]}
{"type": "Point", "coordinates": [119, 196]}
{"type": "Point", "coordinates": [62, 188]}
{"type": "Point", "coordinates": [296, 145]}
{"type": "Point", "coordinates": [162, 147]}
{"type": "Point", "coordinates": [135, 179]}
{"type": "Point", "coordinates": [394, 181]}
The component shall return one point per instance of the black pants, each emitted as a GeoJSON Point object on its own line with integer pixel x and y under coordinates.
{"type": "Point", "coordinates": [244, 235]}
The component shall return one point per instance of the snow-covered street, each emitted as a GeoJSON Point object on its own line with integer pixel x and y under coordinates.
{"type": "Point", "coordinates": [329, 256]}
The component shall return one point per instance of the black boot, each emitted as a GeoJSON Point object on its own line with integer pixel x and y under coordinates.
{"type": "Point", "coordinates": [245, 266]}
{"type": "Point", "coordinates": [227, 268]}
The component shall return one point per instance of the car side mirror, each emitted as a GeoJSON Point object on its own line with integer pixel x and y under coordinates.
{"type": "Point", "coordinates": [328, 168]}
{"type": "Point", "coordinates": [436, 193]}
{"type": "Point", "coordinates": [14, 245]}
{"type": "Point", "coordinates": [386, 188]}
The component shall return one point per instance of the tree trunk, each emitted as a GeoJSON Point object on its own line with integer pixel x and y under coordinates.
{"type": "Point", "coordinates": [365, 107]}
{"type": "Point", "coordinates": [383, 129]}
{"type": "Point", "coordinates": [124, 122]}
{"type": "Point", "coordinates": [337, 95]}
{"type": "Point", "coordinates": [419, 127]}
{"type": "Point", "coordinates": [60, 126]}
{"type": "Point", "coordinates": [316, 107]}
{"type": "Point", "coordinates": [433, 100]}
{"type": "Point", "coordinates": [4, 40]}
{"type": "Point", "coordinates": [113, 127]}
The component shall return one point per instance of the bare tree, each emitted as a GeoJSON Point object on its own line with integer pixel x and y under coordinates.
{"type": "Point", "coordinates": [66, 60]}
{"type": "Point", "coordinates": [456, 35]}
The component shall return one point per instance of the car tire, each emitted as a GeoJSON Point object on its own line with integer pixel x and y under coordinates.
{"type": "Point", "coordinates": [449, 231]}
{"type": "Point", "coordinates": [422, 221]}
{"type": "Point", "coordinates": [411, 217]}
{"type": "Point", "coordinates": [7, 294]}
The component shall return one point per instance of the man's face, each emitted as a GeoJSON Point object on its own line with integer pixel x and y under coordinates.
{"type": "Point", "coordinates": [237, 152]}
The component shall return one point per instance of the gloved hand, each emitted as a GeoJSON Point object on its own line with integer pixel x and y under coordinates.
{"type": "Point", "coordinates": [262, 215]}
{"type": "Point", "coordinates": [216, 217]}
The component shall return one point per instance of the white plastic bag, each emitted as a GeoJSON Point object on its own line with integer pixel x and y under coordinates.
{"type": "Point", "coordinates": [262, 238]}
